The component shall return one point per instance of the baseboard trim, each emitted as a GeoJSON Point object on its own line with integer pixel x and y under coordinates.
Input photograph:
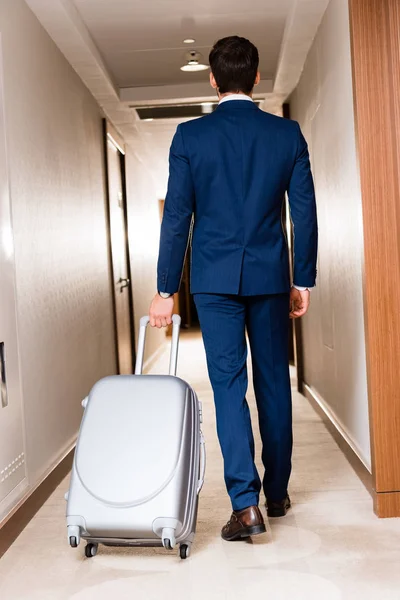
{"type": "Point", "coordinates": [13, 500]}
{"type": "Point", "coordinates": [30, 489]}
{"type": "Point", "coordinates": [26, 508]}
{"type": "Point", "coordinates": [341, 438]}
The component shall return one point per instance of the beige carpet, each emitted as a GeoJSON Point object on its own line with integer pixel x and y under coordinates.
{"type": "Point", "coordinates": [330, 546]}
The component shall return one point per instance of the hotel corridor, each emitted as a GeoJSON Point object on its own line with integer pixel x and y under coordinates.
{"type": "Point", "coordinates": [330, 545]}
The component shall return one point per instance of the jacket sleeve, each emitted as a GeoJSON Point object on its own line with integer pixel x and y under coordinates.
{"type": "Point", "coordinates": [177, 217]}
{"type": "Point", "coordinates": [304, 216]}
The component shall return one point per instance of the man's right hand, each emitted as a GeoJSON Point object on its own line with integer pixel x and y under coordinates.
{"type": "Point", "coordinates": [299, 303]}
{"type": "Point", "coordinates": [161, 310]}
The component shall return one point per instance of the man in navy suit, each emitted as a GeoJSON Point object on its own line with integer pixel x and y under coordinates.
{"type": "Point", "coordinates": [231, 170]}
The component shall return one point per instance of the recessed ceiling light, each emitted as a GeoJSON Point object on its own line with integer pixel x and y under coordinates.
{"type": "Point", "coordinates": [189, 41]}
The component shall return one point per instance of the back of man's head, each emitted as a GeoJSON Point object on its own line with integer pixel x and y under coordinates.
{"type": "Point", "coordinates": [234, 64]}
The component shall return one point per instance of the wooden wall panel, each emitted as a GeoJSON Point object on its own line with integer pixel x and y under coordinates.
{"type": "Point", "coordinates": [375, 26]}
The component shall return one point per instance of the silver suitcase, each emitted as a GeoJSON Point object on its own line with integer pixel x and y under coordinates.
{"type": "Point", "coordinates": [139, 462]}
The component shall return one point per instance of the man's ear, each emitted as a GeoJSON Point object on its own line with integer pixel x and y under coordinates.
{"type": "Point", "coordinates": [258, 77]}
{"type": "Point", "coordinates": [213, 83]}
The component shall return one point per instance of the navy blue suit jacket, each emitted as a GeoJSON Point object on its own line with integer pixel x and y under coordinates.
{"type": "Point", "coordinates": [231, 169]}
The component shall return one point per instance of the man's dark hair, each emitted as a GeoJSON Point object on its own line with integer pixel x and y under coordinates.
{"type": "Point", "coordinates": [234, 64]}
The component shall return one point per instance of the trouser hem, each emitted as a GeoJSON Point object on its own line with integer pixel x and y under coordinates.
{"type": "Point", "coordinates": [245, 503]}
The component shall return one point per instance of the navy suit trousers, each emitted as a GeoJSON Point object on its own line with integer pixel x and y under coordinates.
{"type": "Point", "coordinates": [224, 320]}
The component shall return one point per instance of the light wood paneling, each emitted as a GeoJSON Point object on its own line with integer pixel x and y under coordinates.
{"type": "Point", "coordinates": [376, 77]}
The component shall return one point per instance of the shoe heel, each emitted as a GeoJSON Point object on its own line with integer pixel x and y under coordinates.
{"type": "Point", "coordinates": [276, 512]}
{"type": "Point", "coordinates": [255, 530]}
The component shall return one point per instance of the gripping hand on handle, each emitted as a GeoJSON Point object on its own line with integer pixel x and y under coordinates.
{"type": "Point", "coordinates": [161, 310]}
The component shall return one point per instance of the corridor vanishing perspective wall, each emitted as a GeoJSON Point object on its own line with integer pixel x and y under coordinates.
{"type": "Point", "coordinates": [333, 331]}
{"type": "Point", "coordinates": [56, 173]}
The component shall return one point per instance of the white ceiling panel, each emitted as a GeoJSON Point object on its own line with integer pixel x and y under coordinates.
{"type": "Point", "coordinates": [128, 52]}
{"type": "Point", "coordinates": [141, 42]}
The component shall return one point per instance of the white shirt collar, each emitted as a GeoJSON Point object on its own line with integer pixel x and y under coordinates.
{"type": "Point", "coordinates": [235, 97]}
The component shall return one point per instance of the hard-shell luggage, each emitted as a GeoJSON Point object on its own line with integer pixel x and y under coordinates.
{"type": "Point", "coordinates": [139, 462]}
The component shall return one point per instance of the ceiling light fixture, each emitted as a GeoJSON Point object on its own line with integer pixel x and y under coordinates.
{"type": "Point", "coordinates": [193, 62]}
{"type": "Point", "coordinates": [189, 41]}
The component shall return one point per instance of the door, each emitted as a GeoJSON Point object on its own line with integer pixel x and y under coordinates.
{"type": "Point", "coordinates": [119, 250]}
{"type": "Point", "coordinates": [12, 457]}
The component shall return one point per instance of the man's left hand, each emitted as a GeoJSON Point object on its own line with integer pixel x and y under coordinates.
{"type": "Point", "coordinates": [299, 303]}
{"type": "Point", "coordinates": [161, 310]}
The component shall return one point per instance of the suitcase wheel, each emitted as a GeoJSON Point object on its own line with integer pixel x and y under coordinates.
{"type": "Point", "coordinates": [168, 538]}
{"type": "Point", "coordinates": [184, 551]}
{"type": "Point", "coordinates": [167, 544]}
{"type": "Point", "coordinates": [91, 550]}
{"type": "Point", "coordinates": [74, 535]}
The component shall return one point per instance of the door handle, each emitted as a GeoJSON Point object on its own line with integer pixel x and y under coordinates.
{"type": "Point", "coordinates": [125, 282]}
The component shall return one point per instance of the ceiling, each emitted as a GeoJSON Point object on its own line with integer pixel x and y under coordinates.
{"type": "Point", "coordinates": [129, 52]}
{"type": "Point", "coordinates": [141, 42]}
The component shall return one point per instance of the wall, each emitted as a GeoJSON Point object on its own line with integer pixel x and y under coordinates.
{"type": "Point", "coordinates": [335, 366]}
{"type": "Point", "coordinates": [55, 154]}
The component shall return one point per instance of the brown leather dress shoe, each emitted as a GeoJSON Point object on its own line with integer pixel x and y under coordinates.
{"type": "Point", "coordinates": [243, 524]}
{"type": "Point", "coordinates": [278, 509]}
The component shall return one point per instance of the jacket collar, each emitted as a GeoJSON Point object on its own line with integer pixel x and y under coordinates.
{"type": "Point", "coordinates": [237, 104]}
{"type": "Point", "coordinates": [231, 97]}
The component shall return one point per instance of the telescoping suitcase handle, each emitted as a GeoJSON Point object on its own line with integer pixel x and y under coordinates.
{"type": "Point", "coordinates": [144, 321]}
